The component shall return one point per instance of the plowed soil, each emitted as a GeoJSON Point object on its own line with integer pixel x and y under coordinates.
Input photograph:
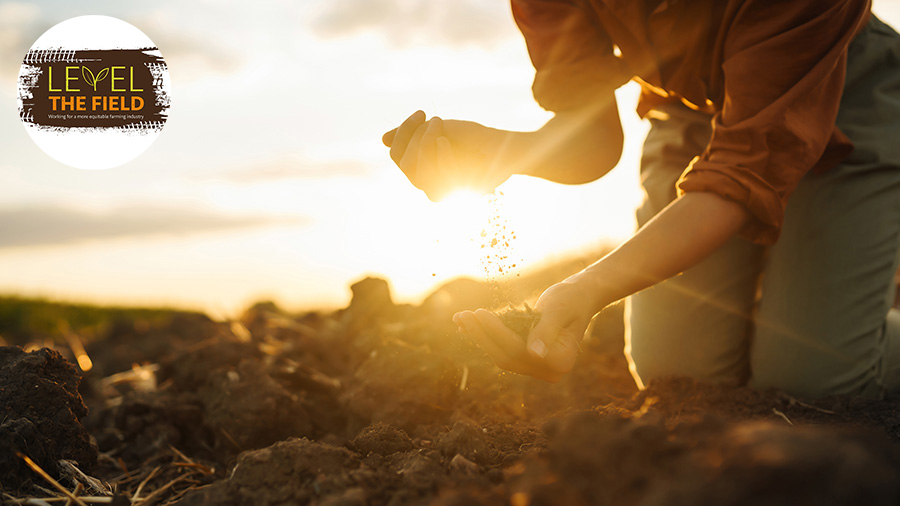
{"type": "Point", "coordinates": [384, 404]}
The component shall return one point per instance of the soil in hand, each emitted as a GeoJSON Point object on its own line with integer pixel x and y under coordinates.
{"type": "Point", "coordinates": [520, 321]}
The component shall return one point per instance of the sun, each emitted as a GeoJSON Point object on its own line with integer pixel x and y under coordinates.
{"type": "Point", "coordinates": [457, 221]}
{"type": "Point", "coordinates": [463, 201]}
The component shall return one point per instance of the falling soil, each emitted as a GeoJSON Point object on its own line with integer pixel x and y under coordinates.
{"type": "Point", "coordinates": [385, 404]}
{"type": "Point", "coordinates": [499, 260]}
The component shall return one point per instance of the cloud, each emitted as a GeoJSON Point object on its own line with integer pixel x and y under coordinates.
{"type": "Point", "coordinates": [407, 22]}
{"type": "Point", "coordinates": [193, 54]}
{"type": "Point", "coordinates": [20, 25]}
{"type": "Point", "coordinates": [18, 12]}
{"type": "Point", "coordinates": [47, 225]}
{"type": "Point", "coordinates": [288, 169]}
{"type": "Point", "coordinates": [194, 58]}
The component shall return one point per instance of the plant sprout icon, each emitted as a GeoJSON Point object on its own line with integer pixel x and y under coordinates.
{"type": "Point", "coordinates": [91, 79]}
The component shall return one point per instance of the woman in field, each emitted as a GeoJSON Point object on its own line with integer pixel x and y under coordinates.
{"type": "Point", "coordinates": [770, 231]}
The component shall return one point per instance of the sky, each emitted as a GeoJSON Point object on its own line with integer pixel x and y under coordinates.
{"type": "Point", "coordinates": [269, 180]}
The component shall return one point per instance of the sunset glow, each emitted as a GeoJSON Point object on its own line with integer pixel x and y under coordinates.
{"type": "Point", "coordinates": [296, 201]}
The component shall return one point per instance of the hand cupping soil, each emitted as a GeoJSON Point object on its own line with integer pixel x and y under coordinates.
{"type": "Point", "coordinates": [520, 321]}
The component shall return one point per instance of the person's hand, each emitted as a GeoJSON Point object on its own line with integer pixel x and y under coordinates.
{"type": "Point", "coordinates": [552, 346]}
{"type": "Point", "coordinates": [440, 156]}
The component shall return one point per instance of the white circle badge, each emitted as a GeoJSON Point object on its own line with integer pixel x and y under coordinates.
{"type": "Point", "coordinates": [94, 92]}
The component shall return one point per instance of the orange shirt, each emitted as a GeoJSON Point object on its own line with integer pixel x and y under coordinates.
{"type": "Point", "coordinates": [772, 72]}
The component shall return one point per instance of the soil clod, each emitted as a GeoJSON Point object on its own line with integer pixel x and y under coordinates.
{"type": "Point", "coordinates": [40, 416]}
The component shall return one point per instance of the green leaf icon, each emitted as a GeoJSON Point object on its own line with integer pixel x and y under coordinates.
{"type": "Point", "coordinates": [101, 76]}
{"type": "Point", "coordinates": [88, 77]}
{"type": "Point", "coordinates": [91, 79]}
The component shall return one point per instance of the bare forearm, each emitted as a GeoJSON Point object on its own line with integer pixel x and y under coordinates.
{"type": "Point", "coordinates": [684, 233]}
{"type": "Point", "coordinates": [574, 147]}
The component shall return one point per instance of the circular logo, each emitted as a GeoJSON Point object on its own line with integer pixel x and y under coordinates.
{"type": "Point", "coordinates": [94, 92]}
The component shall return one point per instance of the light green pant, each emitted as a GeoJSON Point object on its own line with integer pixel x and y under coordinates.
{"type": "Point", "coordinates": [812, 314]}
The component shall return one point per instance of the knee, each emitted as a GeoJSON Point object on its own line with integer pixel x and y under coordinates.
{"type": "Point", "coordinates": [649, 348]}
{"type": "Point", "coordinates": [648, 362]}
{"type": "Point", "coordinates": [805, 370]}
{"type": "Point", "coordinates": [658, 351]}
{"type": "Point", "coordinates": [781, 360]}
{"type": "Point", "coordinates": [805, 382]}
{"type": "Point", "coordinates": [797, 380]}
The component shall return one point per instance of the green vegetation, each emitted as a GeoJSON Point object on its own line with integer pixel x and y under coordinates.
{"type": "Point", "coordinates": [23, 320]}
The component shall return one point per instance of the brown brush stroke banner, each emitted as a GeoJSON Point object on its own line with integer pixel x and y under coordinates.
{"type": "Point", "coordinates": [141, 104]}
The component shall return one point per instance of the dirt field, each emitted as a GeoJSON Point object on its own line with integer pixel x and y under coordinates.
{"type": "Point", "coordinates": [381, 404]}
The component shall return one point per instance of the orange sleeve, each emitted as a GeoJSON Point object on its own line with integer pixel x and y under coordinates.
{"type": "Point", "coordinates": [572, 55]}
{"type": "Point", "coordinates": [783, 66]}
